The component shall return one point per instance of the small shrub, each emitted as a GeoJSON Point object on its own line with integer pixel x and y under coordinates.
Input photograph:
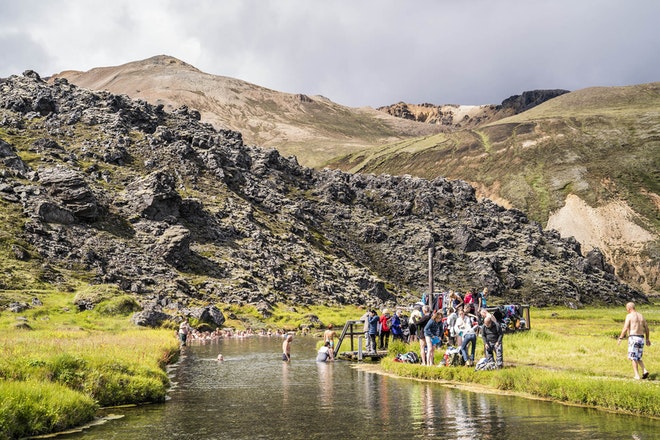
{"type": "Point", "coordinates": [397, 346]}
{"type": "Point", "coordinates": [120, 305]}
{"type": "Point", "coordinates": [94, 295]}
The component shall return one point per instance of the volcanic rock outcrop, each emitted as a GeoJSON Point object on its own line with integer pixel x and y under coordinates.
{"type": "Point", "coordinates": [115, 190]}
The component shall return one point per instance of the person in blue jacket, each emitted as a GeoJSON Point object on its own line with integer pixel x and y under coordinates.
{"type": "Point", "coordinates": [397, 331]}
{"type": "Point", "coordinates": [373, 329]}
{"type": "Point", "coordinates": [433, 334]}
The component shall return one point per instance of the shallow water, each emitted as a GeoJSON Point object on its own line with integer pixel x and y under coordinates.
{"type": "Point", "coordinates": [254, 395]}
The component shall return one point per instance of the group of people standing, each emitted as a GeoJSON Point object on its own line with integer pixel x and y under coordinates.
{"type": "Point", "coordinates": [447, 318]}
{"type": "Point", "coordinates": [378, 329]}
{"type": "Point", "coordinates": [460, 328]}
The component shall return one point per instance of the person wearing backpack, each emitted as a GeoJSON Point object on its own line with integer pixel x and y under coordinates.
{"type": "Point", "coordinates": [415, 316]}
{"type": "Point", "coordinates": [373, 330]}
{"type": "Point", "coordinates": [397, 331]}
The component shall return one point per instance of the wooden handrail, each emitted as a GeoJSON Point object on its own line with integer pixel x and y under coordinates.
{"type": "Point", "coordinates": [349, 325]}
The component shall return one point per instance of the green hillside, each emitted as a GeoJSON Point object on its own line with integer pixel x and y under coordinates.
{"type": "Point", "coordinates": [601, 144]}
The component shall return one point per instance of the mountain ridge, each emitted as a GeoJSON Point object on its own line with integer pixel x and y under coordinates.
{"type": "Point", "coordinates": [97, 188]}
{"type": "Point", "coordinates": [315, 129]}
{"type": "Point", "coordinates": [472, 130]}
{"type": "Point", "coordinates": [588, 157]}
{"type": "Point", "coordinates": [458, 117]}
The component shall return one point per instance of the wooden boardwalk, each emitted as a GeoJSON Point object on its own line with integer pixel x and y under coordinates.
{"type": "Point", "coordinates": [355, 329]}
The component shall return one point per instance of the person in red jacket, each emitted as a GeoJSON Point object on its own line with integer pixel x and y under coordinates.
{"type": "Point", "coordinates": [385, 320]}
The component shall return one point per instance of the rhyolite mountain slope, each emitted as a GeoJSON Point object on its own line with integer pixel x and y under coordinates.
{"type": "Point", "coordinates": [612, 208]}
{"type": "Point", "coordinates": [312, 128]}
{"type": "Point", "coordinates": [99, 188]}
{"type": "Point", "coordinates": [455, 117]}
{"type": "Point", "coordinates": [586, 163]}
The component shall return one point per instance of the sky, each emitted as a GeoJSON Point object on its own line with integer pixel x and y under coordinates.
{"type": "Point", "coordinates": [354, 52]}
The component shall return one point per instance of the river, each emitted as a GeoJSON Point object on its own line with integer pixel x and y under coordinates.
{"type": "Point", "coordinates": [252, 394]}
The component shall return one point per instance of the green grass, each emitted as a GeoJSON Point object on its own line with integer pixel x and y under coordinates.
{"type": "Point", "coordinates": [56, 375]}
{"type": "Point", "coordinates": [33, 407]}
{"type": "Point", "coordinates": [569, 356]}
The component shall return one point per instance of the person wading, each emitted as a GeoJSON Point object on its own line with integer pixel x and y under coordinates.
{"type": "Point", "coordinates": [286, 348]}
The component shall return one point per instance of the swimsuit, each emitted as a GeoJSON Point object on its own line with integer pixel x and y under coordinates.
{"type": "Point", "coordinates": [635, 347]}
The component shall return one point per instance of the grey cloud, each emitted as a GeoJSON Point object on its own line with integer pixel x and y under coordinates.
{"type": "Point", "coordinates": [369, 52]}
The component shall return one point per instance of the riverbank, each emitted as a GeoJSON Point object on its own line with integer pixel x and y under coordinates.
{"type": "Point", "coordinates": [59, 366]}
{"type": "Point", "coordinates": [569, 356]}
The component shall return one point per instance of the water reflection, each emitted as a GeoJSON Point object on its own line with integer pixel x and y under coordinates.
{"type": "Point", "coordinates": [286, 383]}
{"type": "Point", "coordinates": [254, 395]}
{"type": "Point", "coordinates": [326, 384]}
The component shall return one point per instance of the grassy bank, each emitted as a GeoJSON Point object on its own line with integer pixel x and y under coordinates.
{"type": "Point", "coordinates": [568, 356]}
{"type": "Point", "coordinates": [59, 365]}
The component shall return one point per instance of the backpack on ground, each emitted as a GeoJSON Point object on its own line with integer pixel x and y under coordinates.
{"type": "Point", "coordinates": [485, 364]}
{"type": "Point", "coordinates": [410, 358]}
{"type": "Point", "coordinates": [453, 357]}
{"type": "Point", "coordinates": [413, 357]}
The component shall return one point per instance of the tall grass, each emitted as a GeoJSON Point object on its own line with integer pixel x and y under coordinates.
{"type": "Point", "coordinates": [34, 407]}
{"type": "Point", "coordinates": [569, 356]}
{"type": "Point", "coordinates": [58, 374]}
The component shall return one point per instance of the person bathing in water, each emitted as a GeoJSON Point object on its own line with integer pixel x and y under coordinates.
{"type": "Point", "coordinates": [325, 353]}
{"type": "Point", "coordinates": [329, 336]}
{"type": "Point", "coordinates": [286, 348]}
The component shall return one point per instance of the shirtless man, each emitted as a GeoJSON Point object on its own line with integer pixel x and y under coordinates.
{"type": "Point", "coordinates": [329, 336]}
{"type": "Point", "coordinates": [286, 348]}
{"type": "Point", "coordinates": [637, 329]}
{"type": "Point", "coordinates": [184, 331]}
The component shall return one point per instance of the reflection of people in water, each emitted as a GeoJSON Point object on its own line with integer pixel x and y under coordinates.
{"type": "Point", "coordinates": [325, 353]}
{"type": "Point", "coordinates": [326, 385]}
{"type": "Point", "coordinates": [285, 382]}
{"type": "Point", "coordinates": [429, 410]}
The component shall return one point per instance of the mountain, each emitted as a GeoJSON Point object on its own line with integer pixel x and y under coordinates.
{"type": "Point", "coordinates": [551, 159]}
{"type": "Point", "coordinates": [312, 128]}
{"type": "Point", "coordinates": [586, 163]}
{"type": "Point", "coordinates": [456, 117]}
{"type": "Point", "coordinates": [99, 189]}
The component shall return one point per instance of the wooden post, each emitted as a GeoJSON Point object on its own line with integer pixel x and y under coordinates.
{"type": "Point", "coordinates": [431, 289]}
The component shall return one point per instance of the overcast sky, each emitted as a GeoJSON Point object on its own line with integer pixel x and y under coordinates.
{"type": "Point", "coordinates": [355, 52]}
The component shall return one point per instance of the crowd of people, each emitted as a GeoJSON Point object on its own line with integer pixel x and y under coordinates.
{"type": "Point", "coordinates": [186, 333]}
{"type": "Point", "coordinates": [446, 318]}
